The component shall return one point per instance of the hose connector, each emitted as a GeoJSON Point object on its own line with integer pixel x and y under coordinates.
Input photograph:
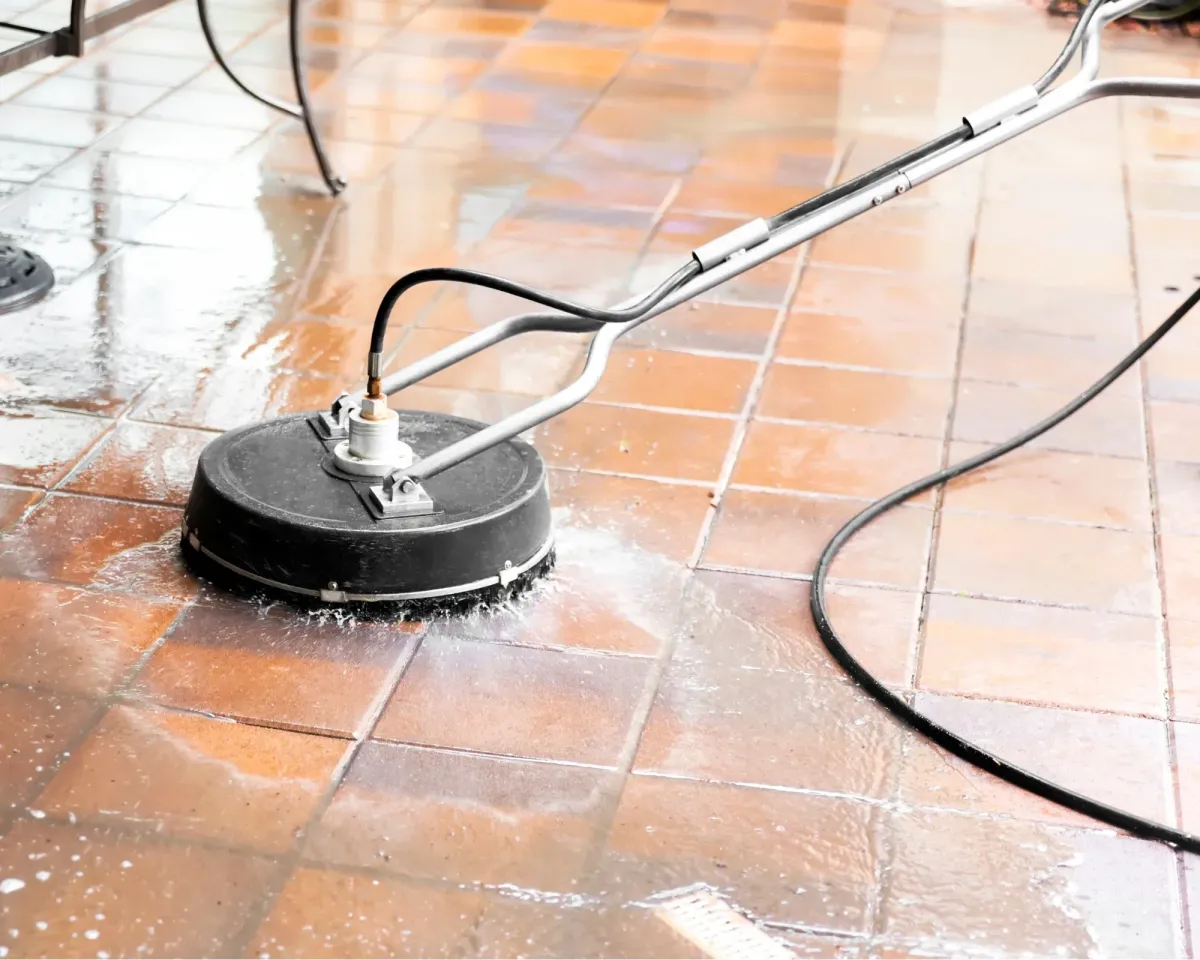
{"type": "Point", "coordinates": [375, 375]}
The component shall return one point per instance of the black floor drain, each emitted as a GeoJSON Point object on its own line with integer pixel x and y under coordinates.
{"type": "Point", "coordinates": [24, 278]}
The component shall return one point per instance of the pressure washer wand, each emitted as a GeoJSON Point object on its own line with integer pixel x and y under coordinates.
{"type": "Point", "coordinates": [747, 246]}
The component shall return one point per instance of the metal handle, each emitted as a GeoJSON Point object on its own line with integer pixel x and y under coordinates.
{"type": "Point", "coordinates": [1006, 118]}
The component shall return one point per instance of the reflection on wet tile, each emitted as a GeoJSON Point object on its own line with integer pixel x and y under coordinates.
{"type": "Point", "coordinates": [55, 127]}
{"type": "Point", "coordinates": [539, 221]}
{"type": "Point", "coordinates": [486, 22]}
{"type": "Point", "coordinates": [518, 109]}
{"type": "Point", "coordinates": [13, 503]}
{"type": "Point", "coordinates": [109, 172]}
{"type": "Point", "coordinates": [712, 724]}
{"type": "Point", "coordinates": [738, 621]}
{"type": "Point", "coordinates": [71, 640]}
{"type": "Point", "coordinates": [209, 108]}
{"type": "Point", "coordinates": [571, 62]}
{"type": "Point", "coordinates": [233, 396]}
{"type": "Point", "coordinates": [32, 161]}
{"type": "Point", "coordinates": [178, 141]}
{"type": "Point", "coordinates": [85, 891]}
{"type": "Point", "coordinates": [191, 776]}
{"type": "Point", "coordinates": [130, 549]}
{"type": "Point", "coordinates": [603, 594]}
{"type": "Point", "coordinates": [462, 817]}
{"type": "Point", "coordinates": [732, 199]}
{"type": "Point", "coordinates": [192, 226]}
{"type": "Point", "coordinates": [126, 67]}
{"type": "Point", "coordinates": [1089, 891]}
{"type": "Point", "coordinates": [271, 665]}
{"type": "Point", "coordinates": [515, 701]}
{"type": "Point", "coordinates": [656, 518]}
{"type": "Point", "coordinates": [589, 180]}
{"type": "Point", "coordinates": [36, 727]}
{"type": "Point", "coordinates": [789, 858]}
{"type": "Point", "coordinates": [140, 461]}
{"type": "Point", "coordinates": [90, 96]}
{"type": "Point", "coordinates": [353, 296]}
{"type": "Point", "coordinates": [39, 447]}
{"type": "Point", "coordinates": [486, 140]}
{"type": "Point", "coordinates": [313, 346]}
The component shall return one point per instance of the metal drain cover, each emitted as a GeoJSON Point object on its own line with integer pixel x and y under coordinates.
{"type": "Point", "coordinates": [24, 278]}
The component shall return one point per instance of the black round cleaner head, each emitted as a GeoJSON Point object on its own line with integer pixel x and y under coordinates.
{"type": "Point", "coordinates": [275, 511]}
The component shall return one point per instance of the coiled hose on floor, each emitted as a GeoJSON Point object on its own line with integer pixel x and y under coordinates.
{"type": "Point", "coordinates": [900, 708]}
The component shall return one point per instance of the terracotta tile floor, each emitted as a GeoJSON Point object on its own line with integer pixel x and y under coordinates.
{"type": "Point", "coordinates": [182, 774]}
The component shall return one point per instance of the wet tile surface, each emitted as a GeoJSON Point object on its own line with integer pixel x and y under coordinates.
{"type": "Point", "coordinates": [515, 701]}
{"type": "Point", "coordinates": [281, 668]}
{"type": "Point", "coordinates": [463, 817]}
{"type": "Point", "coordinates": [183, 773]}
{"type": "Point", "coordinates": [91, 890]}
{"type": "Point", "coordinates": [194, 776]}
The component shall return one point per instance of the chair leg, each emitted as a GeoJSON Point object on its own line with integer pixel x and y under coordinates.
{"type": "Point", "coordinates": [302, 110]}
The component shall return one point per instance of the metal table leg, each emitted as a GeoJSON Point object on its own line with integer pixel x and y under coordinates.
{"type": "Point", "coordinates": [302, 109]}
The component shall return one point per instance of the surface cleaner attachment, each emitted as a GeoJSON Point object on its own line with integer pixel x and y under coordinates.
{"type": "Point", "coordinates": [365, 504]}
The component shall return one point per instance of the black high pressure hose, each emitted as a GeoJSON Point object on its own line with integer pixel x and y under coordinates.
{"type": "Point", "coordinates": [486, 280]}
{"type": "Point", "coordinates": [898, 707]}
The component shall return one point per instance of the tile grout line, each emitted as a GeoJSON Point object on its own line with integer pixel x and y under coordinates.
{"type": "Point", "coordinates": [642, 711]}
{"type": "Point", "coordinates": [638, 722]}
{"type": "Point", "coordinates": [757, 384]}
{"type": "Point", "coordinates": [240, 940]}
{"type": "Point", "coordinates": [913, 667]}
{"type": "Point", "coordinates": [1175, 789]}
{"type": "Point", "coordinates": [937, 509]}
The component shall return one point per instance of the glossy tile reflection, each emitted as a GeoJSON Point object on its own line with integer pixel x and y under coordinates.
{"type": "Point", "coordinates": [188, 773]}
